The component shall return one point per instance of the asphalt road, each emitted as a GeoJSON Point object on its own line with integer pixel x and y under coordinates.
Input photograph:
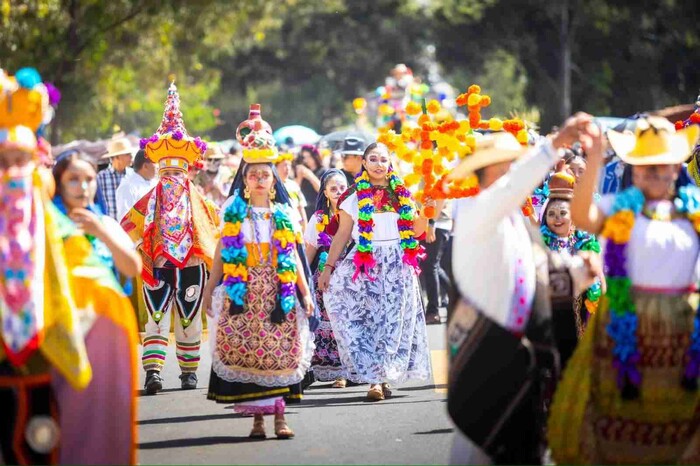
{"type": "Point", "coordinates": [332, 426]}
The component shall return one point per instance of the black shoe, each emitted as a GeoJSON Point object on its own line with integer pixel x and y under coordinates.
{"type": "Point", "coordinates": [189, 380]}
{"type": "Point", "coordinates": [309, 379]}
{"type": "Point", "coordinates": [154, 382]}
{"type": "Point", "coordinates": [432, 319]}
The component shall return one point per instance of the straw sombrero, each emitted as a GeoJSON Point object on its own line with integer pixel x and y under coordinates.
{"type": "Point", "coordinates": [490, 149]}
{"type": "Point", "coordinates": [655, 142]}
{"type": "Point", "coordinates": [118, 146]}
{"type": "Point", "coordinates": [214, 152]}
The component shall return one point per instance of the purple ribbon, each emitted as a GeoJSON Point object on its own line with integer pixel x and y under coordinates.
{"type": "Point", "coordinates": [615, 259]}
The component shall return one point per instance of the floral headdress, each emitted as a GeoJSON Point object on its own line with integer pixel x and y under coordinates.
{"type": "Point", "coordinates": [255, 137]}
{"type": "Point", "coordinates": [26, 106]}
{"type": "Point", "coordinates": [171, 147]}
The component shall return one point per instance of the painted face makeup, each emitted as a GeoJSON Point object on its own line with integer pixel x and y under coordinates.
{"type": "Point", "coordinates": [78, 184]}
{"type": "Point", "coordinates": [335, 187]}
{"type": "Point", "coordinates": [377, 164]}
{"type": "Point", "coordinates": [559, 217]}
{"type": "Point", "coordinates": [259, 178]}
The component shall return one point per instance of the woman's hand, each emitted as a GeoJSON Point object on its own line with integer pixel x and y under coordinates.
{"type": "Point", "coordinates": [302, 172]}
{"type": "Point", "coordinates": [324, 279]}
{"type": "Point", "coordinates": [308, 305]}
{"type": "Point", "coordinates": [206, 301]}
{"type": "Point", "coordinates": [88, 222]}
{"type": "Point", "coordinates": [430, 234]}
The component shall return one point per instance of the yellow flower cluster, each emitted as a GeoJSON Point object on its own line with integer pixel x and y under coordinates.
{"type": "Point", "coordinates": [320, 226]}
{"type": "Point", "coordinates": [287, 277]}
{"type": "Point", "coordinates": [231, 229]}
{"type": "Point", "coordinates": [236, 270]}
{"type": "Point", "coordinates": [695, 218]}
{"type": "Point", "coordinates": [618, 228]}
{"type": "Point", "coordinates": [285, 237]}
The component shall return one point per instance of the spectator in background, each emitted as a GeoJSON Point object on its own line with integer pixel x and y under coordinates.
{"type": "Point", "coordinates": [296, 197]}
{"type": "Point", "coordinates": [119, 153]}
{"type": "Point", "coordinates": [308, 175]}
{"type": "Point", "coordinates": [135, 184]}
{"type": "Point", "coordinates": [435, 280]}
{"type": "Point", "coordinates": [210, 180]}
{"type": "Point", "coordinates": [352, 151]}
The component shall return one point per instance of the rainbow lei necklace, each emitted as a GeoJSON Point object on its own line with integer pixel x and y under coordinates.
{"type": "Point", "coordinates": [234, 256]}
{"type": "Point", "coordinates": [324, 239]}
{"type": "Point", "coordinates": [623, 314]}
{"type": "Point", "coordinates": [579, 241]}
{"type": "Point", "coordinates": [412, 251]}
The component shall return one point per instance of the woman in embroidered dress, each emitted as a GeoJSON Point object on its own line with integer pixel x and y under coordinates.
{"type": "Point", "coordinates": [262, 343]}
{"type": "Point", "coordinates": [629, 393]}
{"type": "Point", "coordinates": [326, 365]}
{"type": "Point", "coordinates": [373, 298]}
{"type": "Point", "coordinates": [75, 176]}
{"type": "Point", "coordinates": [560, 234]}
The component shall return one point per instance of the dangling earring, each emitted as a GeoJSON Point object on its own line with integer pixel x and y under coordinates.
{"type": "Point", "coordinates": [328, 203]}
{"type": "Point", "coordinates": [273, 192]}
{"type": "Point", "coordinates": [246, 192]}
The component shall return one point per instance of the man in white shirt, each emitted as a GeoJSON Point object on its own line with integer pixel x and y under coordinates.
{"type": "Point", "coordinates": [493, 261]}
{"type": "Point", "coordinates": [136, 184]}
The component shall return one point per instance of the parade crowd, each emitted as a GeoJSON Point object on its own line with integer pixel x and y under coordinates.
{"type": "Point", "coordinates": [570, 330]}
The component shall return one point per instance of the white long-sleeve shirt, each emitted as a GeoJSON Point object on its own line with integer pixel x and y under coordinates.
{"type": "Point", "coordinates": [490, 233]}
{"type": "Point", "coordinates": [132, 188]}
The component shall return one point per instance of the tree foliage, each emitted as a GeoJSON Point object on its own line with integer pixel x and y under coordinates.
{"type": "Point", "coordinates": [305, 60]}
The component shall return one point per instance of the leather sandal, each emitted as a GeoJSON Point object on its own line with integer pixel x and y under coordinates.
{"type": "Point", "coordinates": [386, 389]}
{"type": "Point", "coordinates": [282, 430]}
{"type": "Point", "coordinates": [375, 393]}
{"type": "Point", "coordinates": [339, 383]}
{"type": "Point", "coordinates": [258, 431]}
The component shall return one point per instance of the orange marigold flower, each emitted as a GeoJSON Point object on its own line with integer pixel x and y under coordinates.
{"type": "Point", "coordinates": [474, 89]}
{"type": "Point", "coordinates": [679, 125]}
{"type": "Point", "coordinates": [413, 108]}
{"type": "Point", "coordinates": [462, 100]}
{"type": "Point", "coordinates": [433, 106]}
{"type": "Point", "coordinates": [426, 145]}
{"type": "Point", "coordinates": [423, 119]}
{"type": "Point", "coordinates": [695, 118]}
{"type": "Point", "coordinates": [485, 101]}
{"type": "Point", "coordinates": [484, 124]}
{"type": "Point", "coordinates": [474, 120]}
{"type": "Point", "coordinates": [474, 100]}
{"type": "Point", "coordinates": [618, 228]}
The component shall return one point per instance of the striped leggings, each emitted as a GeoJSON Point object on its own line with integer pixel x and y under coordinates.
{"type": "Point", "coordinates": [179, 291]}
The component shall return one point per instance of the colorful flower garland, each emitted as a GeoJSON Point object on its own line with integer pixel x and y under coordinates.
{"type": "Point", "coordinates": [324, 239]}
{"type": "Point", "coordinates": [623, 314]}
{"type": "Point", "coordinates": [412, 250]}
{"type": "Point", "coordinates": [579, 241]}
{"type": "Point", "coordinates": [234, 255]}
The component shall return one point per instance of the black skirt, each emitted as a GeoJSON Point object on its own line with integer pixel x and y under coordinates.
{"type": "Point", "coordinates": [223, 391]}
